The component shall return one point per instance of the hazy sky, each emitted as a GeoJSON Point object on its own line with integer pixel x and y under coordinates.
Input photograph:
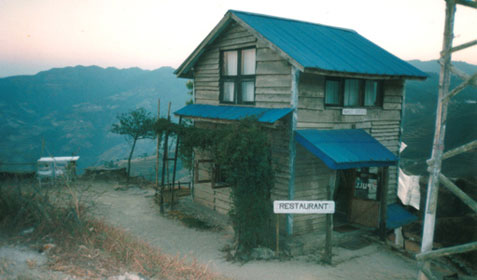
{"type": "Point", "coordinates": [37, 35]}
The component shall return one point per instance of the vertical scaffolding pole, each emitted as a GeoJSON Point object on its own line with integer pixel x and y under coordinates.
{"type": "Point", "coordinates": [439, 134]}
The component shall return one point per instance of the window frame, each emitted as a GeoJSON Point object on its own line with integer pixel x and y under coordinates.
{"type": "Point", "coordinates": [361, 93]}
{"type": "Point", "coordinates": [238, 79]}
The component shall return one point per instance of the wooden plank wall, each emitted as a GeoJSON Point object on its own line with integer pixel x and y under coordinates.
{"type": "Point", "coordinates": [382, 123]}
{"type": "Point", "coordinates": [216, 199]}
{"type": "Point", "coordinates": [311, 181]}
{"type": "Point", "coordinates": [273, 73]}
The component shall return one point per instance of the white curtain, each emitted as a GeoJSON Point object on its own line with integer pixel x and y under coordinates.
{"type": "Point", "coordinates": [332, 92]}
{"type": "Point", "coordinates": [230, 63]}
{"type": "Point", "coordinates": [370, 92]}
{"type": "Point", "coordinates": [351, 92]}
{"type": "Point", "coordinates": [248, 62]}
{"type": "Point", "coordinates": [248, 91]}
{"type": "Point", "coordinates": [229, 89]}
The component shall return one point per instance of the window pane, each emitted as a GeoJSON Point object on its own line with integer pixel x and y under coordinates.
{"type": "Point", "coordinates": [248, 62]}
{"type": "Point", "coordinates": [248, 89]}
{"type": "Point", "coordinates": [229, 89]}
{"type": "Point", "coordinates": [351, 92]}
{"type": "Point", "coordinates": [230, 63]}
{"type": "Point", "coordinates": [332, 92]}
{"type": "Point", "coordinates": [370, 93]}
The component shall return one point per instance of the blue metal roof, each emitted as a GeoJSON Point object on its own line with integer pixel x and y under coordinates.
{"type": "Point", "coordinates": [328, 48]}
{"type": "Point", "coordinates": [221, 112]}
{"type": "Point", "coordinates": [345, 148]}
{"type": "Point", "coordinates": [397, 216]}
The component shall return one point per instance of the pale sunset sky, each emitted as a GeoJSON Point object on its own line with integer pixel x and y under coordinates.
{"type": "Point", "coordinates": [37, 35]}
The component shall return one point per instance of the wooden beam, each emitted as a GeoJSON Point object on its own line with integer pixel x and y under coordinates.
{"type": "Point", "coordinates": [295, 74]}
{"type": "Point", "coordinates": [459, 150]}
{"type": "Point", "coordinates": [458, 192]}
{"type": "Point", "coordinates": [329, 220]}
{"type": "Point", "coordinates": [468, 3]}
{"type": "Point", "coordinates": [447, 251]}
{"type": "Point", "coordinates": [384, 202]}
{"type": "Point", "coordinates": [460, 87]}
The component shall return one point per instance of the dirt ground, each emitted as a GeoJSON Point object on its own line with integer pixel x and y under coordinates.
{"type": "Point", "coordinates": [134, 210]}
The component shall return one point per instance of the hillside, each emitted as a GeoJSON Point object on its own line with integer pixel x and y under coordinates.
{"type": "Point", "coordinates": [419, 121]}
{"type": "Point", "coordinates": [73, 108]}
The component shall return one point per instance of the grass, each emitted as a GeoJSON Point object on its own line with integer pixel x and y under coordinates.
{"type": "Point", "coordinates": [84, 246]}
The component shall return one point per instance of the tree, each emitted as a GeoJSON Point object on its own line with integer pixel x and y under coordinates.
{"type": "Point", "coordinates": [190, 91]}
{"type": "Point", "coordinates": [134, 125]}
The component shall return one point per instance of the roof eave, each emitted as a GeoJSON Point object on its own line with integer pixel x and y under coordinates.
{"type": "Point", "coordinates": [183, 71]}
{"type": "Point", "coordinates": [361, 75]}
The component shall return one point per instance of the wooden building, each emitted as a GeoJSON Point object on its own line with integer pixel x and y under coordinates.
{"type": "Point", "coordinates": [331, 100]}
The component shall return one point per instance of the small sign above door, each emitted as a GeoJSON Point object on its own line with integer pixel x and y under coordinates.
{"type": "Point", "coordinates": [354, 111]}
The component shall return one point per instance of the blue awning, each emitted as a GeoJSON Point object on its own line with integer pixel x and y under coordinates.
{"type": "Point", "coordinates": [345, 148]}
{"type": "Point", "coordinates": [397, 216]}
{"type": "Point", "coordinates": [222, 112]}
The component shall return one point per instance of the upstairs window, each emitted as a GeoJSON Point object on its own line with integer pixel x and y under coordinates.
{"type": "Point", "coordinates": [353, 92]}
{"type": "Point", "coordinates": [237, 79]}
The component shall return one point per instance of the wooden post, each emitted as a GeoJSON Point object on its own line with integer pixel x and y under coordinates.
{"type": "Point", "coordinates": [329, 220]}
{"type": "Point", "coordinates": [277, 236]}
{"type": "Point", "coordinates": [158, 144]}
{"type": "Point", "coordinates": [384, 202]}
{"type": "Point", "coordinates": [164, 161]}
{"type": "Point", "coordinates": [175, 166]}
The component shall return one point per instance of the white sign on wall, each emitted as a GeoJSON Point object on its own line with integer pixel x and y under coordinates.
{"type": "Point", "coordinates": [303, 207]}
{"type": "Point", "coordinates": [354, 111]}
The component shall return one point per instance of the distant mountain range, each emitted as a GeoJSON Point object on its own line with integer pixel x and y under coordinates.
{"type": "Point", "coordinates": [71, 110]}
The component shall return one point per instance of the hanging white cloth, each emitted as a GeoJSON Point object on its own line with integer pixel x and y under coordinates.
{"type": "Point", "coordinates": [408, 189]}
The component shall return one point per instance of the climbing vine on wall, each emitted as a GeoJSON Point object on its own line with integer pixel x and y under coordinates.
{"type": "Point", "coordinates": [243, 152]}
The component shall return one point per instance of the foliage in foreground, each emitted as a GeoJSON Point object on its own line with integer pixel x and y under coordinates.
{"type": "Point", "coordinates": [85, 247]}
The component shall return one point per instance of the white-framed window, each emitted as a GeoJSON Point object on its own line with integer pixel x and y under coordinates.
{"type": "Point", "coordinates": [344, 92]}
{"type": "Point", "coordinates": [237, 78]}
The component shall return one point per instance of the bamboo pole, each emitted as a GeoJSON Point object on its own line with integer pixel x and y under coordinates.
{"type": "Point", "coordinates": [447, 251]}
{"type": "Point", "coordinates": [458, 192]}
{"type": "Point", "coordinates": [459, 150]}
{"type": "Point", "coordinates": [438, 143]}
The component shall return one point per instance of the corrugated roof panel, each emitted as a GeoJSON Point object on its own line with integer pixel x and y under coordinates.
{"type": "Point", "coordinates": [221, 112]}
{"type": "Point", "coordinates": [345, 148]}
{"type": "Point", "coordinates": [328, 48]}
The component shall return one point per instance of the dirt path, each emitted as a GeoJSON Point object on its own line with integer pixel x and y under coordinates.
{"type": "Point", "coordinates": [135, 211]}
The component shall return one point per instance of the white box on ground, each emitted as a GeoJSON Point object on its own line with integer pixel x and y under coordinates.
{"type": "Point", "coordinates": [303, 207]}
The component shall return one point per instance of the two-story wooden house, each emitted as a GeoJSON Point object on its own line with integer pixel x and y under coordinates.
{"type": "Point", "coordinates": [331, 100]}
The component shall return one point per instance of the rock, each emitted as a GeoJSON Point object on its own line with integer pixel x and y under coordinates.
{"type": "Point", "coordinates": [262, 254]}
